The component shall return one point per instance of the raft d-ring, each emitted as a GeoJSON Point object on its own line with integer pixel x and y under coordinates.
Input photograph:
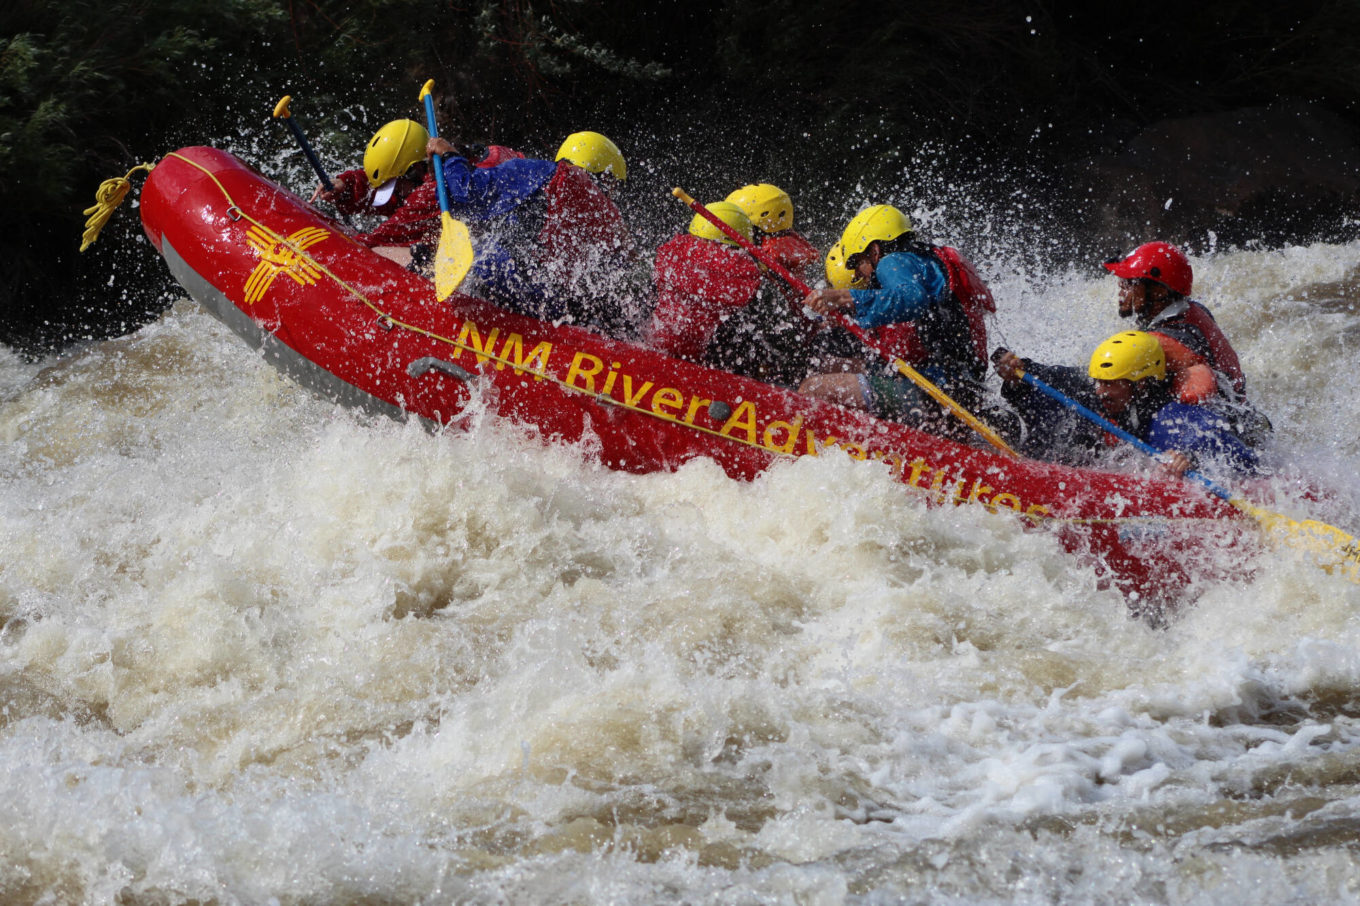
{"type": "Point", "coordinates": [421, 367]}
{"type": "Point", "coordinates": [385, 322]}
{"type": "Point", "coordinates": [235, 213]}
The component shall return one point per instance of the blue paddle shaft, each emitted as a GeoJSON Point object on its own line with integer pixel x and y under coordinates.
{"type": "Point", "coordinates": [438, 162]}
{"type": "Point", "coordinates": [311, 155]}
{"type": "Point", "coordinates": [1114, 429]}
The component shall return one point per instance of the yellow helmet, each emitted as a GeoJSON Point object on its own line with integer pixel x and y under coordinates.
{"type": "Point", "coordinates": [769, 207]}
{"type": "Point", "coordinates": [593, 152]}
{"type": "Point", "coordinates": [838, 274]}
{"type": "Point", "coordinates": [394, 148]}
{"type": "Point", "coordinates": [879, 223]}
{"type": "Point", "coordinates": [729, 214]}
{"type": "Point", "coordinates": [1131, 355]}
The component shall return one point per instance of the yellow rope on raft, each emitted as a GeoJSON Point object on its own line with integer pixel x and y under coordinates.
{"type": "Point", "coordinates": [110, 195]}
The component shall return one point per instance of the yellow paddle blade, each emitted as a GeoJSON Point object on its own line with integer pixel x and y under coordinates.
{"type": "Point", "coordinates": [453, 258]}
{"type": "Point", "coordinates": [1331, 548]}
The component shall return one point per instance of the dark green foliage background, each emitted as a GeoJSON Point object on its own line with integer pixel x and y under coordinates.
{"type": "Point", "coordinates": [830, 95]}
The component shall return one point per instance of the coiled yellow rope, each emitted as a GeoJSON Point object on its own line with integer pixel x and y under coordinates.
{"type": "Point", "coordinates": [110, 195]}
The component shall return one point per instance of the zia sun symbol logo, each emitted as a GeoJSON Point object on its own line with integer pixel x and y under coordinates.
{"type": "Point", "coordinates": [281, 256]}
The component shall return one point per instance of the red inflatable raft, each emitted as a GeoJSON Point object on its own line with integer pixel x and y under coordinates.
{"type": "Point", "coordinates": [360, 328]}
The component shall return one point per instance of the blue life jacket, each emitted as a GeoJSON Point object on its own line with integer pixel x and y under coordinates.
{"type": "Point", "coordinates": [1202, 433]}
{"type": "Point", "coordinates": [496, 197]}
{"type": "Point", "coordinates": [484, 193]}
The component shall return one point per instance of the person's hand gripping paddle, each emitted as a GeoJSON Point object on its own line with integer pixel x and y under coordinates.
{"type": "Point", "coordinates": [281, 112]}
{"type": "Point", "coordinates": [1331, 548]}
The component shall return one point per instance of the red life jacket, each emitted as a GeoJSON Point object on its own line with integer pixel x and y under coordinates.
{"type": "Point", "coordinates": [582, 227]}
{"type": "Point", "coordinates": [970, 294]}
{"type": "Point", "coordinates": [794, 253]}
{"type": "Point", "coordinates": [352, 193]}
{"type": "Point", "coordinates": [497, 155]}
{"type": "Point", "coordinates": [1196, 328]}
{"type": "Point", "coordinates": [698, 281]}
{"type": "Point", "coordinates": [415, 219]}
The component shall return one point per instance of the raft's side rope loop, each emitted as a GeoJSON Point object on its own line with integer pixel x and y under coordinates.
{"type": "Point", "coordinates": [107, 198]}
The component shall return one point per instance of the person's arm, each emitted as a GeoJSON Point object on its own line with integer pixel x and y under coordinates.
{"type": "Point", "coordinates": [1174, 464]}
{"type": "Point", "coordinates": [909, 285]}
{"type": "Point", "coordinates": [443, 147]}
{"type": "Point", "coordinates": [791, 250]}
{"type": "Point", "coordinates": [825, 301]}
{"type": "Point", "coordinates": [1009, 366]}
{"type": "Point", "coordinates": [481, 194]}
{"type": "Point", "coordinates": [1192, 380]}
{"type": "Point", "coordinates": [1053, 431]}
{"type": "Point", "coordinates": [457, 171]}
{"type": "Point", "coordinates": [349, 192]}
{"type": "Point", "coordinates": [1197, 433]}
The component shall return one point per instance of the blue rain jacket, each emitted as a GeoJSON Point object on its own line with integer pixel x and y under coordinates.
{"type": "Point", "coordinates": [908, 286]}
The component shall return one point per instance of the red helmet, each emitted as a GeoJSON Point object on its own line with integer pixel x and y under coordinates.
{"type": "Point", "coordinates": [1157, 261]}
